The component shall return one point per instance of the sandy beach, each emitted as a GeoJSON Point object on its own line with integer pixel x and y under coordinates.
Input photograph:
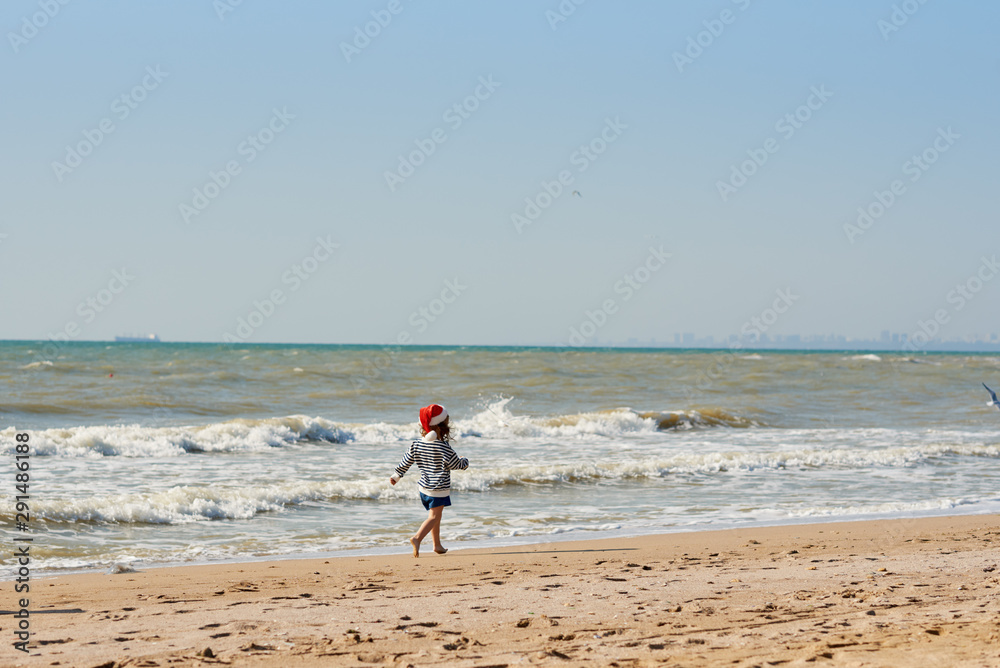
{"type": "Point", "coordinates": [878, 593]}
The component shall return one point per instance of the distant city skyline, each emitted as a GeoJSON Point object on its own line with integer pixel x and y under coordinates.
{"type": "Point", "coordinates": [888, 342]}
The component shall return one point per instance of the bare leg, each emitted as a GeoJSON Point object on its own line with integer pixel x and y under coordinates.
{"type": "Point", "coordinates": [433, 520]}
{"type": "Point", "coordinates": [436, 536]}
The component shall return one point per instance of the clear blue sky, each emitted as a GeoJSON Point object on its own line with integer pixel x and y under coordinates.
{"type": "Point", "coordinates": [677, 132]}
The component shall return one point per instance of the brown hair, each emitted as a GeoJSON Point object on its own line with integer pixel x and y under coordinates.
{"type": "Point", "coordinates": [443, 430]}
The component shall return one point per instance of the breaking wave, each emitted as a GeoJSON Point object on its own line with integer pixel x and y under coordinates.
{"type": "Point", "coordinates": [248, 435]}
{"type": "Point", "coordinates": [192, 503]}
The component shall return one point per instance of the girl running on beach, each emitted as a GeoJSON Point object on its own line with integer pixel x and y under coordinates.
{"type": "Point", "coordinates": [436, 460]}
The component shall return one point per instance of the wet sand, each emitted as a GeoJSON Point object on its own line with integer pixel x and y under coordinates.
{"type": "Point", "coordinates": [883, 593]}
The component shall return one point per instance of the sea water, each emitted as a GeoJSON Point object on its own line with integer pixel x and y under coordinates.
{"type": "Point", "coordinates": [157, 453]}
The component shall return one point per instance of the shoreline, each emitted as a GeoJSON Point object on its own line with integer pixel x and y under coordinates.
{"type": "Point", "coordinates": [867, 592]}
{"type": "Point", "coordinates": [495, 543]}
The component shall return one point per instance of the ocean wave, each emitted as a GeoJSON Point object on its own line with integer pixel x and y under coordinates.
{"type": "Point", "coordinates": [246, 435]}
{"type": "Point", "coordinates": [193, 503]}
{"type": "Point", "coordinates": [917, 360]}
{"type": "Point", "coordinates": [705, 417]}
{"type": "Point", "coordinates": [139, 441]}
{"type": "Point", "coordinates": [190, 503]}
{"type": "Point", "coordinates": [42, 364]}
{"type": "Point", "coordinates": [497, 420]}
{"type": "Point", "coordinates": [889, 508]}
{"type": "Point", "coordinates": [716, 462]}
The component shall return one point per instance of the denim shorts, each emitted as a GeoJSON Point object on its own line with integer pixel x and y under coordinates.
{"type": "Point", "coordinates": [434, 501]}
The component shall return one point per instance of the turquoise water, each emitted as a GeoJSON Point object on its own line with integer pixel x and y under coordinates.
{"type": "Point", "coordinates": [167, 453]}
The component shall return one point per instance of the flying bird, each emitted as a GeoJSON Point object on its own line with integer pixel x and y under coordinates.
{"type": "Point", "coordinates": [577, 193]}
{"type": "Point", "coordinates": [993, 395]}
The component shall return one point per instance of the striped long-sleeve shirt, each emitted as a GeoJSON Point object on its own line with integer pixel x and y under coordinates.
{"type": "Point", "coordinates": [436, 460]}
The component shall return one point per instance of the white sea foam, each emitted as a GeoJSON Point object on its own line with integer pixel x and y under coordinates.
{"type": "Point", "coordinates": [118, 568]}
{"type": "Point", "coordinates": [889, 509]}
{"type": "Point", "coordinates": [139, 441]}
{"type": "Point", "coordinates": [247, 435]}
{"type": "Point", "coordinates": [497, 420]}
{"type": "Point", "coordinates": [718, 462]}
{"type": "Point", "coordinates": [42, 364]}
{"type": "Point", "coordinates": [192, 503]}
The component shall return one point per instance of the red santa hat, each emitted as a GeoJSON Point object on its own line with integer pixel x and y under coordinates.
{"type": "Point", "coordinates": [432, 415]}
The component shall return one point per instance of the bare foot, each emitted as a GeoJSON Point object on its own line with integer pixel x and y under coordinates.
{"type": "Point", "coordinates": [440, 550]}
{"type": "Point", "coordinates": [416, 547]}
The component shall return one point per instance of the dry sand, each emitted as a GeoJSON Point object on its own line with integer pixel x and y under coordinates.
{"type": "Point", "coordinates": [887, 593]}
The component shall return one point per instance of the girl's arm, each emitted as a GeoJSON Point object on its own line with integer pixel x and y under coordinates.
{"type": "Point", "coordinates": [404, 466]}
{"type": "Point", "coordinates": [455, 463]}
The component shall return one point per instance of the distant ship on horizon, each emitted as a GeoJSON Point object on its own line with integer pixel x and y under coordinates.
{"type": "Point", "coordinates": [149, 338]}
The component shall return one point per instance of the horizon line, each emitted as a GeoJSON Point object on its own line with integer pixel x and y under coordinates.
{"type": "Point", "coordinates": [929, 348]}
